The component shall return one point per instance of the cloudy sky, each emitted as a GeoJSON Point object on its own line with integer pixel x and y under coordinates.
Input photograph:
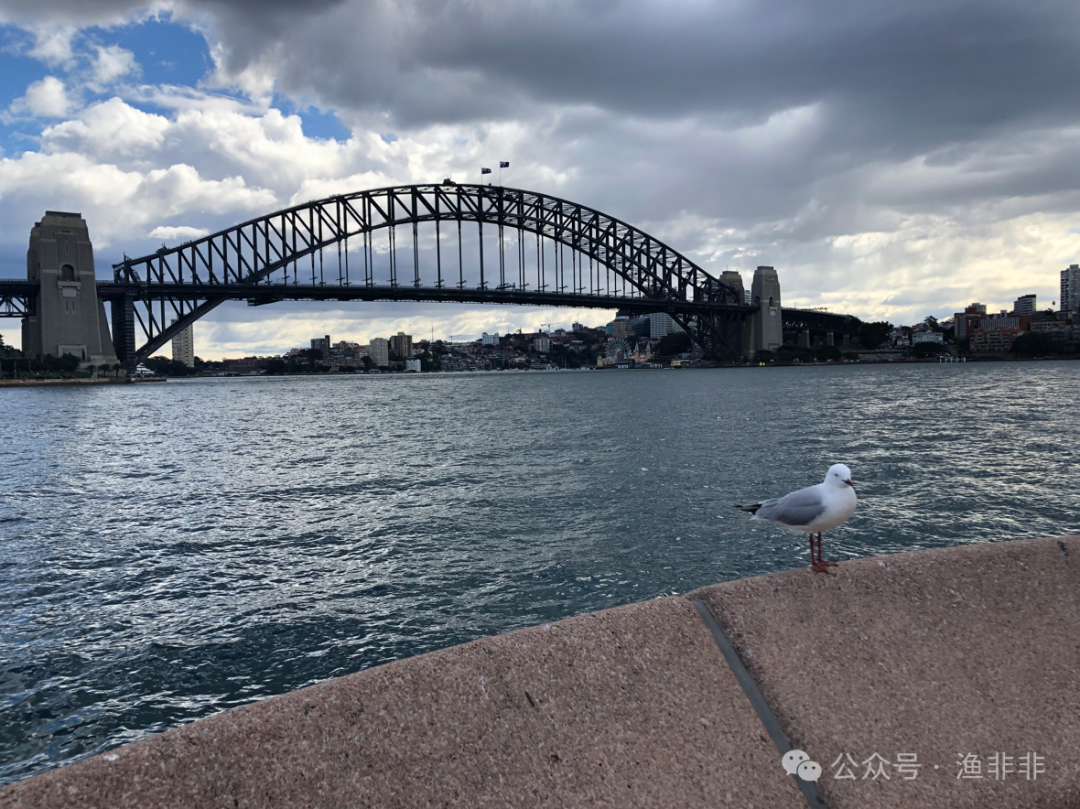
{"type": "Point", "coordinates": [892, 160]}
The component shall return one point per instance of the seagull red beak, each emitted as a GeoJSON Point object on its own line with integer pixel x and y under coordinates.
{"type": "Point", "coordinates": [849, 483]}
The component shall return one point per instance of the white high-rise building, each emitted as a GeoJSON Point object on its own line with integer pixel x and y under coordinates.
{"type": "Point", "coordinates": [1070, 289]}
{"type": "Point", "coordinates": [490, 339]}
{"type": "Point", "coordinates": [379, 351]}
{"type": "Point", "coordinates": [1024, 305]}
{"type": "Point", "coordinates": [183, 346]}
{"type": "Point", "coordinates": [662, 324]}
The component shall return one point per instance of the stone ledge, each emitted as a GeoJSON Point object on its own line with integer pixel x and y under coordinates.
{"type": "Point", "coordinates": [940, 653]}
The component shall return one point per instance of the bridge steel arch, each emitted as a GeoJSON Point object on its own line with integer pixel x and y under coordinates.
{"type": "Point", "coordinates": [283, 256]}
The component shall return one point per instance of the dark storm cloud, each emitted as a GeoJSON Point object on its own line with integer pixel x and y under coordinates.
{"type": "Point", "coordinates": [897, 79]}
{"type": "Point", "coordinates": [636, 102]}
{"type": "Point", "coordinates": [896, 76]}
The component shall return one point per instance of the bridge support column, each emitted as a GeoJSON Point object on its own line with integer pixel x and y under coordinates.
{"type": "Point", "coordinates": [845, 340]}
{"type": "Point", "coordinates": [767, 323]}
{"type": "Point", "coordinates": [830, 338]}
{"type": "Point", "coordinates": [123, 326]}
{"type": "Point", "coordinates": [804, 338]}
{"type": "Point", "coordinates": [69, 318]}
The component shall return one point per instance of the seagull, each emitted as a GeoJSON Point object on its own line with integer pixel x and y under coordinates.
{"type": "Point", "coordinates": [812, 510]}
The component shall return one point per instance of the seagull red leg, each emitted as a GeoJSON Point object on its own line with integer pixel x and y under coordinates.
{"type": "Point", "coordinates": [818, 565]}
{"type": "Point", "coordinates": [820, 560]}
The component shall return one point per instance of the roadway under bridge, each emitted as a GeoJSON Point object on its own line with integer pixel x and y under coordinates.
{"type": "Point", "coordinates": [813, 327]}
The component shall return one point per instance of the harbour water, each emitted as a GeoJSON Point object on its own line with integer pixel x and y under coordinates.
{"type": "Point", "coordinates": [170, 551]}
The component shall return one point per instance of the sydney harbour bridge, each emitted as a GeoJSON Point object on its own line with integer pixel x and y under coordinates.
{"type": "Point", "coordinates": [448, 242]}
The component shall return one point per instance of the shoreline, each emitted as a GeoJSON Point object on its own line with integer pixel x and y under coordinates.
{"type": "Point", "coordinates": [30, 383]}
{"type": "Point", "coordinates": [44, 383]}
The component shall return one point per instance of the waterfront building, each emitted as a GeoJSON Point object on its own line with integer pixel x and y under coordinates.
{"type": "Point", "coordinates": [1070, 289]}
{"type": "Point", "coordinates": [401, 343]}
{"type": "Point", "coordinates": [927, 337]}
{"type": "Point", "coordinates": [1024, 305]}
{"type": "Point", "coordinates": [322, 344]}
{"type": "Point", "coordinates": [964, 323]}
{"type": "Point", "coordinates": [489, 339]}
{"type": "Point", "coordinates": [412, 365]}
{"type": "Point", "coordinates": [247, 365]}
{"type": "Point", "coordinates": [379, 351]}
{"type": "Point", "coordinates": [1054, 329]}
{"type": "Point", "coordinates": [542, 344]}
{"type": "Point", "coordinates": [183, 346]}
{"type": "Point", "coordinates": [1000, 339]}
{"type": "Point", "coordinates": [1003, 320]}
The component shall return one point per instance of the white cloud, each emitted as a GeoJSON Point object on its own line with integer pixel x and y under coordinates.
{"type": "Point", "coordinates": [111, 63]}
{"type": "Point", "coordinates": [117, 204]}
{"type": "Point", "coordinates": [53, 45]}
{"type": "Point", "coordinates": [110, 128]}
{"type": "Point", "coordinates": [47, 98]}
{"type": "Point", "coordinates": [177, 233]}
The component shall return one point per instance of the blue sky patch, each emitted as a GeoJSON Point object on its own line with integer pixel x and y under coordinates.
{"type": "Point", "coordinates": [168, 53]}
{"type": "Point", "coordinates": [321, 124]}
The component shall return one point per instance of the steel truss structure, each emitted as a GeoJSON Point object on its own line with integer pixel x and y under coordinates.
{"type": "Point", "coordinates": [18, 298]}
{"type": "Point", "coordinates": [549, 251]}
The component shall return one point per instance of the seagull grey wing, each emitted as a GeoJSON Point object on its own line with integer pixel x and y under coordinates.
{"type": "Point", "coordinates": [796, 509]}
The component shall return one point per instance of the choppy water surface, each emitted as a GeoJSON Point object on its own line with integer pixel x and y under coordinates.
{"type": "Point", "coordinates": [169, 551]}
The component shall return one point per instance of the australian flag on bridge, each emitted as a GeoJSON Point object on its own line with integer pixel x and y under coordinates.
{"type": "Point", "coordinates": [504, 164]}
{"type": "Point", "coordinates": [485, 171]}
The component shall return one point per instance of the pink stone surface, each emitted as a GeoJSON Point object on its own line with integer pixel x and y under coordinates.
{"type": "Point", "coordinates": [632, 707]}
{"type": "Point", "coordinates": [972, 649]}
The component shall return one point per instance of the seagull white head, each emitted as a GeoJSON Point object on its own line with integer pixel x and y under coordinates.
{"type": "Point", "coordinates": [839, 476]}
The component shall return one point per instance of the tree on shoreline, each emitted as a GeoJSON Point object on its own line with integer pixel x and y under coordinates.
{"type": "Point", "coordinates": [872, 335]}
{"type": "Point", "coordinates": [1033, 344]}
{"type": "Point", "coordinates": [671, 345]}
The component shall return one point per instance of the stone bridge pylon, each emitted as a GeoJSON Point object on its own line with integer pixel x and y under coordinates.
{"type": "Point", "coordinates": [68, 317]}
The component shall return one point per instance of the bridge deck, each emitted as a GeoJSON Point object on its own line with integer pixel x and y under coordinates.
{"type": "Point", "coordinates": [270, 293]}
